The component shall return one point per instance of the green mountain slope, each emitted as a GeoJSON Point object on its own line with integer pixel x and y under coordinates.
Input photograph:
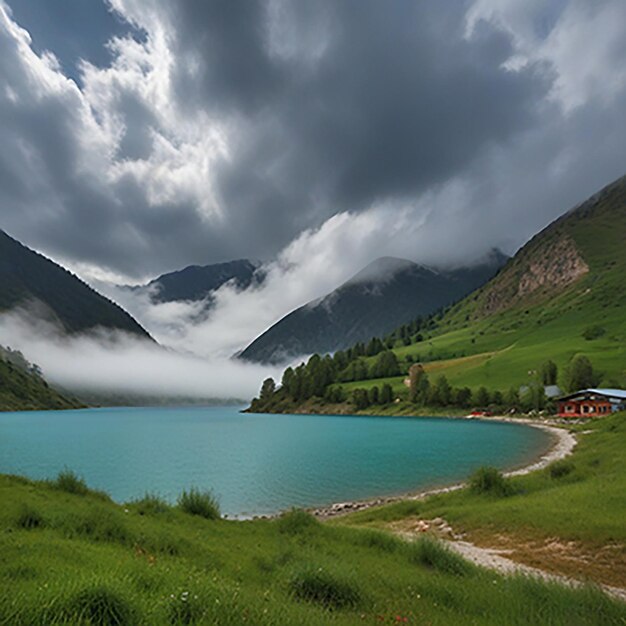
{"type": "Point", "coordinates": [27, 277]}
{"type": "Point", "coordinates": [562, 295]}
{"type": "Point", "coordinates": [385, 294]}
{"type": "Point", "coordinates": [22, 388]}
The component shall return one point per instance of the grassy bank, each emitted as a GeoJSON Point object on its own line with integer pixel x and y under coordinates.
{"type": "Point", "coordinates": [70, 555]}
{"type": "Point", "coordinates": [568, 518]}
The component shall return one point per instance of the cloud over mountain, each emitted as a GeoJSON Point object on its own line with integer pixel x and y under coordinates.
{"type": "Point", "coordinates": [218, 132]}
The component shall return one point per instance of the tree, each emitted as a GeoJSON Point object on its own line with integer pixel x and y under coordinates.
{"type": "Point", "coordinates": [386, 394]}
{"type": "Point", "coordinates": [497, 398]}
{"type": "Point", "coordinates": [533, 398]}
{"type": "Point", "coordinates": [481, 397]}
{"type": "Point", "coordinates": [360, 399]}
{"type": "Point", "coordinates": [267, 389]}
{"type": "Point", "coordinates": [548, 373]}
{"type": "Point", "coordinates": [512, 398]}
{"type": "Point", "coordinates": [340, 360]}
{"type": "Point", "coordinates": [373, 395]}
{"type": "Point", "coordinates": [440, 394]}
{"type": "Point", "coordinates": [386, 365]}
{"type": "Point", "coordinates": [288, 381]}
{"type": "Point", "coordinates": [463, 397]}
{"type": "Point", "coordinates": [579, 374]}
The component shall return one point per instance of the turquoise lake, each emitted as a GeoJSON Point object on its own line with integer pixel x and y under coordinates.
{"type": "Point", "coordinates": [257, 464]}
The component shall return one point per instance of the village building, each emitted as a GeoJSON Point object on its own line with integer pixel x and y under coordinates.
{"type": "Point", "coordinates": [591, 403]}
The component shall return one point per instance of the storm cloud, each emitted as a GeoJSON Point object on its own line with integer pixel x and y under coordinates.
{"type": "Point", "coordinates": [217, 130]}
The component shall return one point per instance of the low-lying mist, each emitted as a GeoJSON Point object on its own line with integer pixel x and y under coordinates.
{"type": "Point", "coordinates": [105, 362]}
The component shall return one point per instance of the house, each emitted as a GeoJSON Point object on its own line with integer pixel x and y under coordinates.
{"type": "Point", "coordinates": [591, 403]}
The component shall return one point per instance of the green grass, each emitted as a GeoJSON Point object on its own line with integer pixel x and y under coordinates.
{"type": "Point", "coordinates": [579, 500]}
{"type": "Point", "coordinates": [76, 558]}
{"type": "Point", "coordinates": [201, 503]}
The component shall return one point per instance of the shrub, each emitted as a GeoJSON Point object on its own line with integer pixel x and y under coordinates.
{"type": "Point", "coordinates": [490, 481]}
{"type": "Point", "coordinates": [324, 588]}
{"type": "Point", "coordinates": [431, 553]}
{"type": "Point", "coordinates": [70, 482]}
{"type": "Point", "coordinates": [295, 522]}
{"type": "Point", "coordinates": [99, 606]}
{"type": "Point", "coordinates": [558, 469]}
{"type": "Point", "coordinates": [150, 504]}
{"type": "Point", "coordinates": [201, 503]}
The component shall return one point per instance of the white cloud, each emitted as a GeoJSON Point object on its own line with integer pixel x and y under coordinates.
{"type": "Point", "coordinates": [114, 362]}
{"type": "Point", "coordinates": [584, 43]}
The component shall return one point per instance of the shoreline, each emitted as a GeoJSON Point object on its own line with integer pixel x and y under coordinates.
{"type": "Point", "coordinates": [563, 444]}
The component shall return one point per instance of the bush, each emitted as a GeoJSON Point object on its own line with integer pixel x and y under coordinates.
{"type": "Point", "coordinates": [328, 590]}
{"type": "Point", "coordinates": [295, 522]}
{"type": "Point", "coordinates": [28, 518]}
{"type": "Point", "coordinates": [201, 503]}
{"type": "Point", "coordinates": [99, 606]}
{"type": "Point", "coordinates": [431, 553]}
{"type": "Point", "coordinates": [150, 504]}
{"type": "Point", "coordinates": [490, 481]}
{"type": "Point", "coordinates": [70, 482]}
{"type": "Point", "coordinates": [558, 469]}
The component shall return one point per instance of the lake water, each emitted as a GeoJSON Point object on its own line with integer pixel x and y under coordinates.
{"type": "Point", "coordinates": [257, 464]}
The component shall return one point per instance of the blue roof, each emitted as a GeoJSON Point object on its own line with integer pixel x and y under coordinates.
{"type": "Point", "coordinates": [614, 393]}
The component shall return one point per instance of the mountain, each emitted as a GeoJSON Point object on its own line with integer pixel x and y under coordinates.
{"type": "Point", "coordinates": [22, 387]}
{"type": "Point", "coordinates": [28, 278]}
{"type": "Point", "coordinates": [197, 282]}
{"type": "Point", "coordinates": [385, 294]}
{"type": "Point", "coordinates": [561, 295]}
{"type": "Point", "coordinates": [559, 301]}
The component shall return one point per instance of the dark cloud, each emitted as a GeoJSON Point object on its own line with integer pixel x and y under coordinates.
{"type": "Point", "coordinates": [225, 129]}
{"type": "Point", "coordinates": [397, 101]}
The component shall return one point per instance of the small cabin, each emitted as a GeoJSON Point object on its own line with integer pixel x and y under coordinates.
{"type": "Point", "coordinates": [591, 403]}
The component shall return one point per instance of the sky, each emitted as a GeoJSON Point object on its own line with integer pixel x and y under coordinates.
{"type": "Point", "coordinates": [141, 136]}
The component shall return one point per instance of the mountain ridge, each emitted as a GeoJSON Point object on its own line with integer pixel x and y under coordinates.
{"type": "Point", "coordinates": [27, 277]}
{"type": "Point", "coordinates": [389, 291]}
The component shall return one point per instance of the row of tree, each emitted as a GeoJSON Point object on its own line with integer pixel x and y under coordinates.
{"type": "Point", "coordinates": [321, 378]}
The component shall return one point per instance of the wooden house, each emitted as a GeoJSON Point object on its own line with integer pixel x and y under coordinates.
{"type": "Point", "coordinates": [591, 403]}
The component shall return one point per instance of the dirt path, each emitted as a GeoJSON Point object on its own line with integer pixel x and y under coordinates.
{"type": "Point", "coordinates": [497, 560]}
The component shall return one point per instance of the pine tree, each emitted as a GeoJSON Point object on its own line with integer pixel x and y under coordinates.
{"type": "Point", "coordinates": [386, 394]}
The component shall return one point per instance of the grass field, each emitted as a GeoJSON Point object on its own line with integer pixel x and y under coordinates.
{"type": "Point", "coordinates": [570, 519]}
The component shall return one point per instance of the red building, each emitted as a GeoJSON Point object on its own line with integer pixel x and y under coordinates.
{"type": "Point", "coordinates": [591, 403]}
